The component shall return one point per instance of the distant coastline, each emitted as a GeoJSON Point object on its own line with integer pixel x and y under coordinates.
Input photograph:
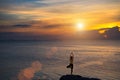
{"type": "Point", "coordinates": [101, 34]}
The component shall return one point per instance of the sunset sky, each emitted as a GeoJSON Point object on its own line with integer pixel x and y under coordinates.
{"type": "Point", "coordinates": [58, 16]}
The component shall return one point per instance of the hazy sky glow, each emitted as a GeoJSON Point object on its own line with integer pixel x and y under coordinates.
{"type": "Point", "coordinates": [57, 16]}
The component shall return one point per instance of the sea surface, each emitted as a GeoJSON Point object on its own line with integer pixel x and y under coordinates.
{"type": "Point", "coordinates": [45, 60]}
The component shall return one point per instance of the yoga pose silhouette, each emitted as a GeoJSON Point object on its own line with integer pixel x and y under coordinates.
{"type": "Point", "coordinates": [71, 62]}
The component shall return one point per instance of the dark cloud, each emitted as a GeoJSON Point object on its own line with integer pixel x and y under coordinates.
{"type": "Point", "coordinates": [51, 26]}
{"type": "Point", "coordinates": [113, 33]}
{"type": "Point", "coordinates": [10, 27]}
{"type": "Point", "coordinates": [47, 25]}
{"type": "Point", "coordinates": [22, 25]}
{"type": "Point", "coordinates": [41, 24]}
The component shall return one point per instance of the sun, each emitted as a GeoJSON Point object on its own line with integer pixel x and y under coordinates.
{"type": "Point", "coordinates": [80, 26]}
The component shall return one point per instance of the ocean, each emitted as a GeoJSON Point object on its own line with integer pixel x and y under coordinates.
{"type": "Point", "coordinates": [45, 60]}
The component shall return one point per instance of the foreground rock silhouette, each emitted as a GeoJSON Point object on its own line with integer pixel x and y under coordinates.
{"type": "Point", "coordinates": [76, 77]}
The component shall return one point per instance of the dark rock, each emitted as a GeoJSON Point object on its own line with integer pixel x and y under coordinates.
{"type": "Point", "coordinates": [76, 77]}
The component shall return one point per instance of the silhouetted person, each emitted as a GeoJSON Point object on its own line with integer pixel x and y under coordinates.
{"type": "Point", "coordinates": [71, 62]}
{"type": "Point", "coordinates": [74, 77]}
